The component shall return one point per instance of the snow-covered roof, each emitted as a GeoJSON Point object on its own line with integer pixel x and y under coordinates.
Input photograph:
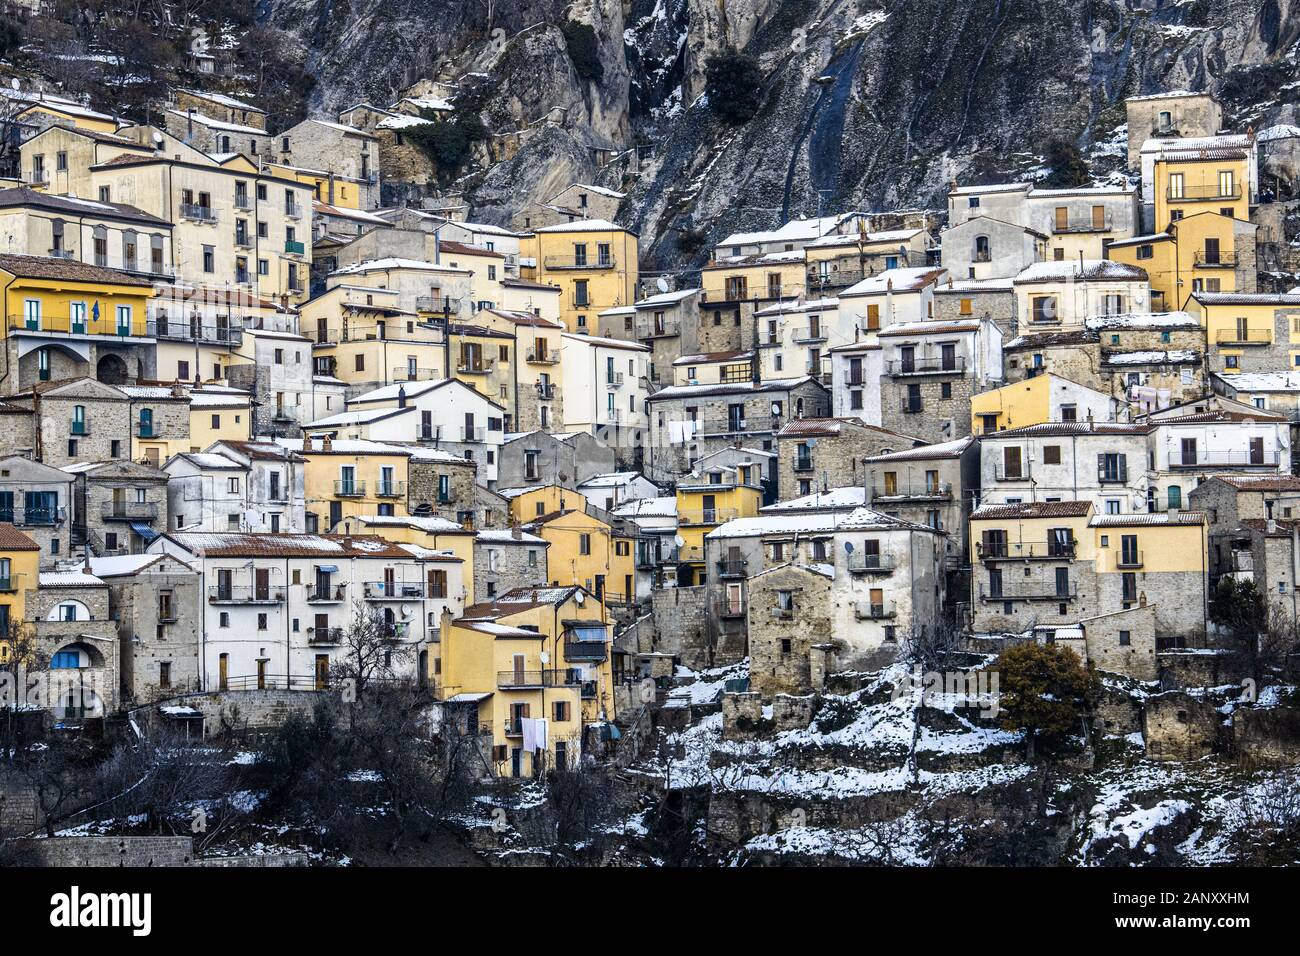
{"type": "Point", "coordinates": [1154, 357]}
{"type": "Point", "coordinates": [1143, 320]}
{"type": "Point", "coordinates": [362, 416]}
{"type": "Point", "coordinates": [847, 498]}
{"type": "Point", "coordinates": [902, 279]}
{"type": "Point", "coordinates": [583, 225]}
{"type": "Point", "coordinates": [796, 230]}
{"type": "Point", "coordinates": [1068, 270]}
{"type": "Point", "coordinates": [224, 127]}
{"type": "Point", "coordinates": [223, 100]}
{"type": "Point", "coordinates": [396, 262]}
{"type": "Point", "coordinates": [1282, 381]}
{"type": "Point", "coordinates": [506, 536]}
{"type": "Point", "coordinates": [663, 507]}
{"type": "Point", "coordinates": [946, 449]}
{"type": "Point", "coordinates": [728, 388]}
{"type": "Point", "coordinates": [118, 565]}
{"type": "Point", "coordinates": [859, 519]}
{"type": "Point", "coordinates": [610, 480]}
{"type": "Point", "coordinates": [69, 579]}
{"type": "Point", "coordinates": [665, 298]}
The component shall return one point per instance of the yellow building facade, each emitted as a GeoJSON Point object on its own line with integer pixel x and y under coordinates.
{"type": "Point", "coordinates": [20, 559]}
{"type": "Point", "coordinates": [718, 496]}
{"type": "Point", "coordinates": [593, 262]}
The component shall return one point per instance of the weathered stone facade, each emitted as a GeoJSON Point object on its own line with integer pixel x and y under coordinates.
{"type": "Point", "coordinates": [505, 560]}
{"type": "Point", "coordinates": [1123, 642]}
{"type": "Point", "coordinates": [823, 453]}
{"type": "Point", "coordinates": [76, 618]}
{"type": "Point", "coordinates": [1072, 355]}
{"type": "Point", "coordinates": [934, 407]}
{"type": "Point", "coordinates": [159, 612]}
{"type": "Point", "coordinates": [781, 640]}
{"type": "Point", "coordinates": [426, 487]}
{"type": "Point", "coordinates": [1177, 726]}
{"type": "Point", "coordinates": [539, 458]}
{"type": "Point", "coordinates": [109, 498]}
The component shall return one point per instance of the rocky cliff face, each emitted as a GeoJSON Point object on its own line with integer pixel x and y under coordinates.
{"type": "Point", "coordinates": [867, 103]}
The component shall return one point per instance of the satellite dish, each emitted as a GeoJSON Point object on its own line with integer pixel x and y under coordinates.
{"type": "Point", "coordinates": [546, 657]}
{"type": "Point", "coordinates": [661, 283]}
{"type": "Point", "coordinates": [406, 612]}
{"type": "Point", "coordinates": [579, 597]}
{"type": "Point", "coordinates": [848, 547]}
{"type": "Point", "coordinates": [14, 84]}
{"type": "Point", "coordinates": [776, 409]}
{"type": "Point", "coordinates": [679, 541]}
{"type": "Point", "coordinates": [157, 138]}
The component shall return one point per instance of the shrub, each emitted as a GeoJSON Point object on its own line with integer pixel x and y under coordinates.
{"type": "Point", "coordinates": [1068, 166]}
{"type": "Point", "coordinates": [734, 86]}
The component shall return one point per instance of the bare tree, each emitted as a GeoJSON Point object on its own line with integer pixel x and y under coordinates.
{"type": "Point", "coordinates": [373, 649]}
{"type": "Point", "coordinates": [924, 649]}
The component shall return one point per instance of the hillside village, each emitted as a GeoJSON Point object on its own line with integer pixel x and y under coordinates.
{"type": "Point", "coordinates": [271, 438]}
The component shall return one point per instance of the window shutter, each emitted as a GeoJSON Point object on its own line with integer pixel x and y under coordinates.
{"type": "Point", "coordinates": [1101, 467]}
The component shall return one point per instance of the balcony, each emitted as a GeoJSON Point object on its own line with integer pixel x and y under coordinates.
{"type": "Point", "coordinates": [148, 430]}
{"type": "Point", "coordinates": [324, 635]}
{"type": "Point", "coordinates": [911, 406]}
{"type": "Point", "coordinates": [476, 368]}
{"type": "Point", "coordinates": [585, 650]}
{"type": "Point", "coordinates": [1206, 193]}
{"type": "Point", "coordinates": [78, 429]}
{"type": "Point", "coordinates": [1217, 260]}
{"type": "Point", "coordinates": [243, 240]}
{"type": "Point", "coordinates": [292, 210]}
{"type": "Point", "coordinates": [546, 391]}
{"type": "Point", "coordinates": [33, 517]}
{"type": "Point", "coordinates": [345, 488]}
{"type": "Point", "coordinates": [129, 511]}
{"type": "Point", "coordinates": [579, 262]}
{"type": "Point", "coordinates": [549, 357]}
{"type": "Point", "coordinates": [527, 680]}
{"type": "Point", "coordinates": [868, 611]}
{"type": "Point", "coordinates": [285, 413]}
{"type": "Point", "coordinates": [84, 324]}
{"type": "Point", "coordinates": [246, 594]}
{"type": "Point", "coordinates": [1128, 560]}
{"type": "Point", "coordinates": [1002, 473]}
{"type": "Point", "coordinates": [729, 610]}
{"type": "Point", "coordinates": [392, 590]}
{"type": "Point", "coordinates": [928, 490]}
{"type": "Point", "coordinates": [614, 381]}
{"type": "Point", "coordinates": [740, 292]}
{"type": "Point", "coordinates": [476, 434]}
{"type": "Point", "coordinates": [181, 330]}
{"type": "Point", "coordinates": [513, 728]}
{"type": "Point", "coordinates": [1225, 459]}
{"type": "Point", "coordinates": [390, 489]}
{"type": "Point", "coordinates": [1242, 337]}
{"type": "Point", "coordinates": [862, 563]}
{"type": "Point", "coordinates": [898, 368]}
{"type": "Point", "coordinates": [1087, 223]}
{"type": "Point", "coordinates": [707, 516]}
{"type": "Point", "coordinates": [1031, 594]}
{"type": "Point", "coordinates": [732, 567]}
{"type": "Point", "coordinates": [196, 213]}
{"type": "Point", "coordinates": [1026, 551]}
{"type": "Point", "coordinates": [407, 374]}
{"type": "Point", "coordinates": [802, 463]}
{"type": "Point", "coordinates": [328, 594]}
{"type": "Point", "coordinates": [243, 201]}
{"type": "Point", "coordinates": [431, 303]}
{"type": "Point", "coordinates": [735, 426]}
{"type": "Point", "coordinates": [293, 247]}
{"type": "Point", "coordinates": [808, 336]}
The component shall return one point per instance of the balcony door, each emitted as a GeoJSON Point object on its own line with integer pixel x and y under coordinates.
{"type": "Point", "coordinates": [262, 584]}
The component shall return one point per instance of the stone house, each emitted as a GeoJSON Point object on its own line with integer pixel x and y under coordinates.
{"type": "Point", "coordinates": [931, 371]}
{"type": "Point", "coordinates": [74, 631]}
{"type": "Point", "coordinates": [337, 150]}
{"type": "Point", "coordinates": [1151, 360]}
{"type": "Point", "coordinates": [78, 420]}
{"type": "Point", "coordinates": [559, 458]}
{"type": "Point", "coordinates": [1074, 355]}
{"type": "Point", "coordinates": [987, 248]}
{"type": "Point", "coordinates": [688, 422]}
{"type": "Point", "coordinates": [157, 601]}
{"type": "Point", "coordinates": [118, 506]}
{"type": "Point", "coordinates": [993, 299]}
{"type": "Point", "coordinates": [790, 627]}
{"type": "Point", "coordinates": [507, 559]}
{"type": "Point", "coordinates": [35, 499]}
{"type": "Point", "coordinates": [1229, 500]}
{"type": "Point", "coordinates": [18, 425]}
{"type": "Point", "coordinates": [931, 485]}
{"type": "Point", "coordinates": [1169, 116]}
{"type": "Point", "coordinates": [439, 482]}
{"type": "Point", "coordinates": [823, 453]}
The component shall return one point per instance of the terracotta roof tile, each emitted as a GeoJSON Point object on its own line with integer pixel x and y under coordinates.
{"type": "Point", "coordinates": [1034, 509]}
{"type": "Point", "coordinates": [11, 539]}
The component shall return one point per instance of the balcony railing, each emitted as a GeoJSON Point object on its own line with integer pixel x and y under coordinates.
{"type": "Point", "coordinates": [406, 374]}
{"type": "Point", "coordinates": [1026, 551]}
{"type": "Point", "coordinates": [546, 391]}
{"type": "Point", "coordinates": [344, 488]}
{"type": "Point", "coordinates": [181, 330]}
{"type": "Point", "coordinates": [729, 609]}
{"type": "Point", "coordinates": [1087, 223]}
{"type": "Point", "coordinates": [732, 567]}
{"type": "Point", "coordinates": [1225, 459]}
{"type": "Point", "coordinates": [870, 611]}
{"type": "Point", "coordinates": [129, 511]}
{"type": "Point", "coordinates": [33, 517]}
{"type": "Point", "coordinates": [585, 650]}
{"type": "Point", "coordinates": [579, 262]}
{"type": "Point", "coordinates": [476, 368]}
{"type": "Point", "coordinates": [615, 380]}
{"type": "Point", "coordinates": [148, 430]}
{"type": "Point", "coordinates": [1032, 593]}
{"type": "Point", "coordinates": [198, 213]}
{"type": "Point", "coordinates": [246, 594]}
{"type": "Point", "coordinates": [549, 357]}
{"type": "Point", "coordinates": [736, 426]}
{"type": "Point", "coordinates": [761, 291]}
{"type": "Point", "coordinates": [808, 336]}
{"type": "Point", "coordinates": [1202, 193]}
{"type": "Point", "coordinates": [925, 366]}
{"type": "Point", "coordinates": [292, 210]}
{"type": "Point", "coordinates": [105, 325]}
{"type": "Point", "coordinates": [285, 413]}
{"type": "Point", "coordinates": [1243, 336]}
{"type": "Point", "coordinates": [940, 489]}
{"type": "Point", "coordinates": [429, 303]}
{"type": "Point", "coordinates": [328, 594]}
{"type": "Point", "coordinates": [1217, 260]}
{"type": "Point", "coordinates": [802, 463]}
{"type": "Point", "coordinates": [476, 434]}
{"type": "Point", "coordinates": [862, 563]}
{"type": "Point", "coordinates": [390, 489]}
{"type": "Point", "coordinates": [78, 429]}
{"type": "Point", "coordinates": [567, 677]}
{"type": "Point", "coordinates": [325, 635]}
{"type": "Point", "coordinates": [1128, 559]}
{"type": "Point", "coordinates": [294, 248]}
{"type": "Point", "coordinates": [243, 201]}
{"type": "Point", "coordinates": [392, 590]}
{"type": "Point", "coordinates": [1002, 473]}
{"type": "Point", "coordinates": [911, 406]}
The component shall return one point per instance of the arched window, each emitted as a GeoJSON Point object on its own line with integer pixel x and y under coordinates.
{"type": "Point", "coordinates": [981, 248]}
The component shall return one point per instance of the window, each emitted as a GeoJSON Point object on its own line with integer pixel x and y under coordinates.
{"type": "Point", "coordinates": [584, 544]}
{"type": "Point", "coordinates": [1051, 454]}
{"type": "Point", "coordinates": [1125, 638]}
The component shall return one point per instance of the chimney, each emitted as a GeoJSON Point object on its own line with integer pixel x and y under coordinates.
{"type": "Point", "coordinates": [326, 443]}
{"type": "Point", "coordinates": [178, 390]}
{"type": "Point", "coordinates": [85, 568]}
{"type": "Point", "coordinates": [1172, 513]}
{"type": "Point", "coordinates": [1271, 525]}
{"type": "Point", "coordinates": [515, 531]}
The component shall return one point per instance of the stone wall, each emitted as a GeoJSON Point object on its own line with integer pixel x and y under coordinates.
{"type": "Point", "coordinates": [1199, 668]}
{"type": "Point", "coordinates": [834, 461]}
{"type": "Point", "coordinates": [423, 479]}
{"type": "Point", "coordinates": [1105, 648]}
{"type": "Point", "coordinates": [1267, 734]}
{"type": "Point", "coordinates": [781, 648]}
{"type": "Point", "coordinates": [510, 568]}
{"type": "Point", "coordinates": [148, 641]}
{"type": "Point", "coordinates": [106, 422]}
{"type": "Point", "coordinates": [108, 851]}
{"type": "Point", "coordinates": [681, 624]}
{"type": "Point", "coordinates": [240, 711]}
{"type": "Point", "coordinates": [936, 411]}
{"type": "Point", "coordinates": [1177, 726]}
